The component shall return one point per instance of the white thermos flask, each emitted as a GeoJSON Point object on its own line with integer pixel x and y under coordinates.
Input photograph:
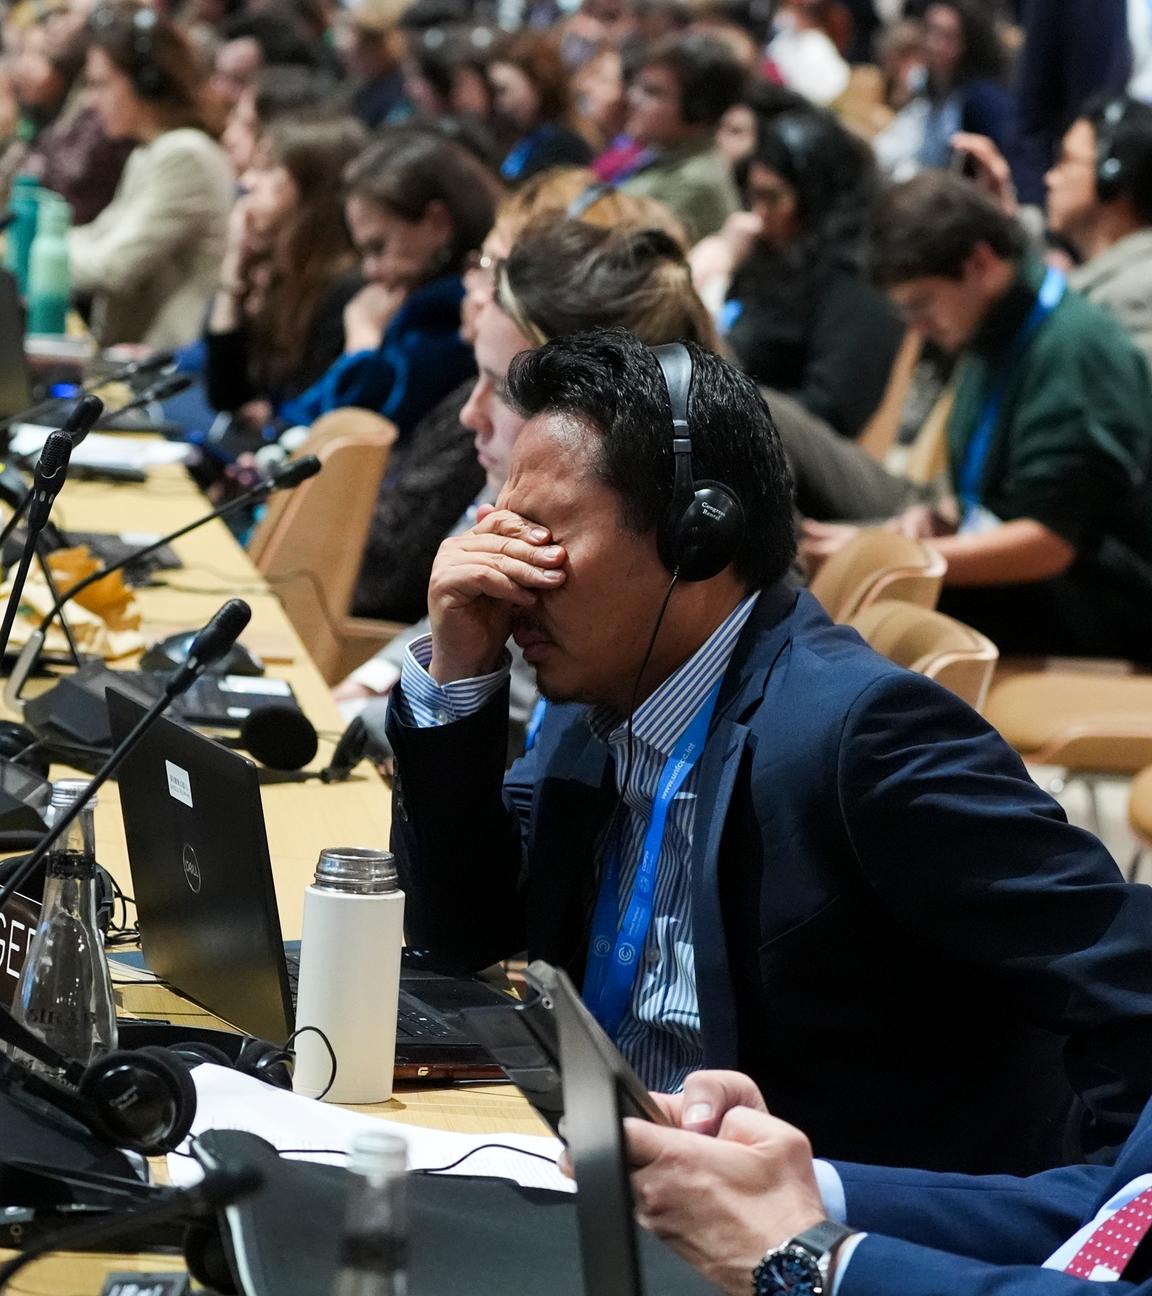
{"type": "Point", "coordinates": [350, 976]}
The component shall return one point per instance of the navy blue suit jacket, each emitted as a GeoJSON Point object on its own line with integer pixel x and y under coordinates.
{"type": "Point", "coordinates": [941, 1234]}
{"type": "Point", "coordinates": [897, 934]}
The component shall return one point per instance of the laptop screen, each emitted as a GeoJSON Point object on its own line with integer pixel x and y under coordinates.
{"type": "Point", "coordinates": [201, 873]}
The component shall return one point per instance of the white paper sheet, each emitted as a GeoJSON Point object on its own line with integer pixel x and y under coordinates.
{"type": "Point", "coordinates": [228, 1100]}
{"type": "Point", "coordinates": [103, 450]}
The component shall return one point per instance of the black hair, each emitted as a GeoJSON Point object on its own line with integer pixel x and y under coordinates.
{"type": "Point", "coordinates": [833, 173]}
{"type": "Point", "coordinates": [611, 382]}
{"type": "Point", "coordinates": [984, 56]}
{"type": "Point", "coordinates": [710, 78]}
{"type": "Point", "coordinates": [1123, 128]}
{"type": "Point", "coordinates": [932, 224]}
{"type": "Point", "coordinates": [289, 89]}
{"type": "Point", "coordinates": [406, 167]}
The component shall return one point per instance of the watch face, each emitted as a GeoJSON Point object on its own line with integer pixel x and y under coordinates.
{"type": "Point", "coordinates": [792, 1270]}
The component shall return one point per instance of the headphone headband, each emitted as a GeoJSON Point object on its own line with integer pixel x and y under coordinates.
{"type": "Point", "coordinates": [704, 526]}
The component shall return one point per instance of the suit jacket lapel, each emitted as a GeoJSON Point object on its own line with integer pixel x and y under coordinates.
{"type": "Point", "coordinates": [745, 682]}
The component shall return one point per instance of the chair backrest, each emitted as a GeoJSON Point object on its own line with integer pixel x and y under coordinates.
{"type": "Point", "coordinates": [932, 644]}
{"type": "Point", "coordinates": [879, 434]}
{"type": "Point", "coordinates": [310, 541]}
{"type": "Point", "coordinates": [878, 564]}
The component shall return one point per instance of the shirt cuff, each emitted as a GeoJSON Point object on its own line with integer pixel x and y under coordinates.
{"type": "Point", "coordinates": [430, 704]}
{"type": "Point", "coordinates": [843, 1258]}
{"type": "Point", "coordinates": [831, 1191]}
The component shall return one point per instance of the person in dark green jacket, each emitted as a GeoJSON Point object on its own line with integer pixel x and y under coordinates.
{"type": "Point", "coordinates": [1048, 534]}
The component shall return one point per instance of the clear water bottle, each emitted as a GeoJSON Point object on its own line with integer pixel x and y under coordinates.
{"type": "Point", "coordinates": [64, 994]}
{"type": "Point", "coordinates": [49, 275]}
{"type": "Point", "coordinates": [374, 1247]}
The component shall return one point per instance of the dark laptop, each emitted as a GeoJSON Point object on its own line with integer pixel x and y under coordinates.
{"type": "Point", "coordinates": [206, 902]}
{"type": "Point", "coordinates": [15, 383]}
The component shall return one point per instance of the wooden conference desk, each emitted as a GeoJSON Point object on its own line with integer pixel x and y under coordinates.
{"type": "Point", "coordinates": [302, 818]}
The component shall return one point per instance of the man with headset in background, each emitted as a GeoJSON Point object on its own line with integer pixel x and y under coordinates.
{"type": "Point", "coordinates": [754, 842]}
{"type": "Point", "coordinates": [1099, 204]}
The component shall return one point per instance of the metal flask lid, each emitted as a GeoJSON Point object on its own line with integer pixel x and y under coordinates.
{"type": "Point", "coordinates": [357, 870]}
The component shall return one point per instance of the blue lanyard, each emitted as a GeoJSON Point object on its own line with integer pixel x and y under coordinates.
{"type": "Point", "coordinates": [535, 720]}
{"type": "Point", "coordinates": [616, 947]}
{"type": "Point", "coordinates": [980, 442]}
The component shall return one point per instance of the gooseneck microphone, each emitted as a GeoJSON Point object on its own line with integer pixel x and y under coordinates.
{"type": "Point", "coordinates": [51, 470]}
{"type": "Point", "coordinates": [207, 648]}
{"type": "Point", "coordinates": [286, 478]}
{"type": "Point", "coordinates": [220, 1187]}
{"type": "Point", "coordinates": [165, 389]}
{"type": "Point", "coordinates": [76, 427]}
{"type": "Point", "coordinates": [152, 364]}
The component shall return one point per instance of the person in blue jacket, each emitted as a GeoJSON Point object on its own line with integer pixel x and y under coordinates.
{"type": "Point", "coordinates": [736, 1191]}
{"type": "Point", "coordinates": [417, 203]}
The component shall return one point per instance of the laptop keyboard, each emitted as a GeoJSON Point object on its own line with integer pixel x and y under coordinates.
{"type": "Point", "coordinates": [414, 1019]}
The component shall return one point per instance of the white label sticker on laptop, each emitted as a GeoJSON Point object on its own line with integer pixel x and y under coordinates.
{"type": "Point", "coordinates": [252, 684]}
{"type": "Point", "coordinates": [179, 784]}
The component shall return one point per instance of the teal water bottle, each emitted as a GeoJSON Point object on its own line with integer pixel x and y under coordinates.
{"type": "Point", "coordinates": [48, 278]}
{"type": "Point", "coordinates": [24, 205]}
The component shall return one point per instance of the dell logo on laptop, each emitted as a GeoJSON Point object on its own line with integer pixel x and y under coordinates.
{"type": "Point", "coordinates": [191, 869]}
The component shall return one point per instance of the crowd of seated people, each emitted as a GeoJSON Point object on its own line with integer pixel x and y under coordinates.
{"type": "Point", "coordinates": [476, 222]}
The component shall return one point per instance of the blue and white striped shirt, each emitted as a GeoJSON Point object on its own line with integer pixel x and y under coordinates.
{"type": "Point", "coordinates": [660, 1033]}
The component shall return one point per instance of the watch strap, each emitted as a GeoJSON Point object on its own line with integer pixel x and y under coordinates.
{"type": "Point", "coordinates": [822, 1238]}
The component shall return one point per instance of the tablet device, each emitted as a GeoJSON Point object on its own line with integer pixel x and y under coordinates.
{"type": "Point", "coordinates": [525, 1039]}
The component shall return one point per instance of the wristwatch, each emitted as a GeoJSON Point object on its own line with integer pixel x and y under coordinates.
{"type": "Point", "coordinates": [799, 1267]}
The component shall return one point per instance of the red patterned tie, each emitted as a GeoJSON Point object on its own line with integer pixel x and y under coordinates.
{"type": "Point", "coordinates": [1113, 1243]}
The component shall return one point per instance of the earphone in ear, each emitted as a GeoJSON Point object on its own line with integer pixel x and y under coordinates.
{"type": "Point", "coordinates": [703, 529]}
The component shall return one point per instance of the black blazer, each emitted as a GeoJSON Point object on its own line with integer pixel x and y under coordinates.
{"type": "Point", "coordinates": [897, 933]}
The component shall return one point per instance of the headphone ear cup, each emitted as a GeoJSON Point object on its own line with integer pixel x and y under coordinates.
{"type": "Point", "coordinates": [707, 535]}
{"type": "Point", "coordinates": [1109, 178]}
{"type": "Point", "coordinates": [141, 1099]}
{"type": "Point", "coordinates": [193, 1052]}
{"type": "Point", "coordinates": [271, 1063]}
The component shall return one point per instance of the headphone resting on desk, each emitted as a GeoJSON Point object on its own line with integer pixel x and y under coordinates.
{"type": "Point", "coordinates": [140, 1098]}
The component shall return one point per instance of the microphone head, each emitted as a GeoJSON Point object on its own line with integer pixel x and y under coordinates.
{"type": "Point", "coordinates": [52, 466]}
{"type": "Point", "coordinates": [161, 360]}
{"type": "Point", "coordinates": [219, 634]}
{"type": "Point", "coordinates": [83, 418]}
{"type": "Point", "coordinates": [292, 474]}
{"type": "Point", "coordinates": [280, 736]}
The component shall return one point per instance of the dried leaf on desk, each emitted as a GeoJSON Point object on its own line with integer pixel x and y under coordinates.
{"type": "Point", "coordinates": [111, 599]}
{"type": "Point", "coordinates": [105, 620]}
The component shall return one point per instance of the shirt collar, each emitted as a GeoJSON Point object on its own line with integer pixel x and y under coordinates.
{"type": "Point", "coordinates": [1006, 317]}
{"type": "Point", "coordinates": [661, 718]}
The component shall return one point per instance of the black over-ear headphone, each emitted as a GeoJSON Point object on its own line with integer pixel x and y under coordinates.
{"type": "Point", "coordinates": [704, 526]}
{"type": "Point", "coordinates": [140, 1098]}
{"type": "Point", "coordinates": [146, 75]}
{"type": "Point", "coordinates": [1111, 180]}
